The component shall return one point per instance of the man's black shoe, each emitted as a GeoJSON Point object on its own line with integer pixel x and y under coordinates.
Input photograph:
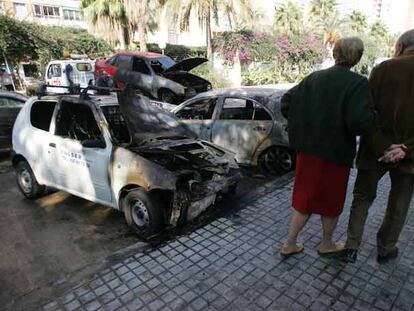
{"type": "Point", "coordinates": [391, 255]}
{"type": "Point", "coordinates": [348, 255]}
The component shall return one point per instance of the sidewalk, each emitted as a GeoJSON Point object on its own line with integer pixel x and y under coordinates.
{"type": "Point", "coordinates": [233, 264]}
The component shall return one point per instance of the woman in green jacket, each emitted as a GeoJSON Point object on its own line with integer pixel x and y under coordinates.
{"type": "Point", "coordinates": [325, 112]}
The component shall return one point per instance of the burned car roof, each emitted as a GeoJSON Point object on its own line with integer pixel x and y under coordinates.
{"type": "Point", "coordinates": [269, 97]}
{"type": "Point", "coordinates": [145, 121]}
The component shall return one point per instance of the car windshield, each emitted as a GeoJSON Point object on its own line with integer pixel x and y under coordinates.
{"type": "Point", "coordinates": [161, 64]}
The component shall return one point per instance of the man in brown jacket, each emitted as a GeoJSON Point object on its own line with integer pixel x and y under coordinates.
{"type": "Point", "coordinates": [390, 149]}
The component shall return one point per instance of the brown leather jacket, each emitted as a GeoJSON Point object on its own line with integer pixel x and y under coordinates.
{"type": "Point", "coordinates": [391, 87]}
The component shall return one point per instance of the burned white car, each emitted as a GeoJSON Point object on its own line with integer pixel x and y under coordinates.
{"type": "Point", "coordinates": [247, 121]}
{"type": "Point", "coordinates": [131, 156]}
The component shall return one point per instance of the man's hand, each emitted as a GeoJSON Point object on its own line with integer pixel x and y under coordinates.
{"type": "Point", "coordinates": [394, 154]}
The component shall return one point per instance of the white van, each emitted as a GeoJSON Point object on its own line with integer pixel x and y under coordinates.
{"type": "Point", "coordinates": [69, 73]}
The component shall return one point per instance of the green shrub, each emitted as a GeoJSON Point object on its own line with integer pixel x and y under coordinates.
{"type": "Point", "coordinates": [23, 41]}
{"type": "Point", "coordinates": [179, 52]}
{"type": "Point", "coordinates": [207, 72]}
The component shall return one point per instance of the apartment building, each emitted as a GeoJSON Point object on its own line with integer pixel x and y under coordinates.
{"type": "Point", "coordinates": [398, 15]}
{"type": "Point", "coordinates": [45, 12]}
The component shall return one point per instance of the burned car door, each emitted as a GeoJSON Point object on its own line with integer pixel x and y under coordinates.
{"type": "Point", "coordinates": [199, 116]}
{"type": "Point", "coordinates": [83, 153]}
{"type": "Point", "coordinates": [41, 138]}
{"type": "Point", "coordinates": [243, 124]}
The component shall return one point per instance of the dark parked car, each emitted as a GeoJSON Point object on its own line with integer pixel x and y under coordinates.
{"type": "Point", "coordinates": [10, 105]}
{"type": "Point", "coordinates": [246, 121]}
{"type": "Point", "coordinates": [164, 79]}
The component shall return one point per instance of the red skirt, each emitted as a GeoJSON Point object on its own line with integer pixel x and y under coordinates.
{"type": "Point", "coordinates": [320, 186]}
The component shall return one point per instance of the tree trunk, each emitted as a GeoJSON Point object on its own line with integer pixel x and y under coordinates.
{"type": "Point", "coordinates": [142, 37]}
{"type": "Point", "coordinates": [122, 43]}
{"type": "Point", "coordinates": [142, 25]}
{"type": "Point", "coordinates": [163, 25]}
{"type": "Point", "coordinates": [208, 36]}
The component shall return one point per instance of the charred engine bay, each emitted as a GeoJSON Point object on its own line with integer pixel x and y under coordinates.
{"type": "Point", "coordinates": [190, 158]}
{"type": "Point", "coordinates": [184, 78]}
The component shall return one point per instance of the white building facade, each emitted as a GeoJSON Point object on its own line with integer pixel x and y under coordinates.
{"type": "Point", "coordinates": [45, 12]}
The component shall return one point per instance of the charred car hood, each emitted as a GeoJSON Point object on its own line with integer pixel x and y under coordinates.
{"type": "Point", "coordinates": [146, 122]}
{"type": "Point", "coordinates": [187, 64]}
{"type": "Point", "coordinates": [187, 155]}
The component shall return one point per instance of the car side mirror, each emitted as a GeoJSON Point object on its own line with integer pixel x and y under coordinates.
{"type": "Point", "coordinates": [94, 143]}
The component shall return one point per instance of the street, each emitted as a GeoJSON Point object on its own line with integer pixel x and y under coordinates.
{"type": "Point", "coordinates": [54, 242]}
{"type": "Point", "coordinates": [232, 263]}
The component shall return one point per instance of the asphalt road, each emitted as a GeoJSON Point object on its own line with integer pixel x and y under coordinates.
{"type": "Point", "coordinates": [54, 242]}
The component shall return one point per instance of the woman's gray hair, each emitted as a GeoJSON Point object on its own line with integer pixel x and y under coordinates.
{"type": "Point", "coordinates": [407, 39]}
{"type": "Point", "coordinates": [348, 51]}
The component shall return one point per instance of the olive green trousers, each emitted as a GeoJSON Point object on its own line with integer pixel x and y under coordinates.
{"type": "Point", "coordinates": [365, 192]}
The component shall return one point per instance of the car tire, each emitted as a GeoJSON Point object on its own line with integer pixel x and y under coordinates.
{"type": "Point", "coordinates": [27, 182]}
{"type": "Point", "coordinates": [168, 96]}
{"type": "Point", "coordinates": [143, 213]}
{"type": "Point", "coordinates": [277, 160]}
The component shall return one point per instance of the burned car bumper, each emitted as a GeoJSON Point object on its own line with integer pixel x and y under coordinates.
{"type": "Point", "coordinates": [194, 198]}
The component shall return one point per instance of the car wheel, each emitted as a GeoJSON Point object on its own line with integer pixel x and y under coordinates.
{"type": "Point", "coordinates": [27, 182]}
{"type": "Point", "coordinates": [277, 160]}
{"type": "Point", "coordinates": [167, 96]}
{"type": "Point", "coordinates": [143, 213]}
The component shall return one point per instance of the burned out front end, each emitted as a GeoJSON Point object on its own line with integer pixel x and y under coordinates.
{"type": "Point", "coordinates": [203, 173]}
{"type": "Point", "coordinates": [165, 175]}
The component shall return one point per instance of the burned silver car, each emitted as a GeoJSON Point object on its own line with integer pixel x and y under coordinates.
{"type": "Point", "coordinates": [246, 121]}
{"type": "Point", "coordinates": [131, 156]}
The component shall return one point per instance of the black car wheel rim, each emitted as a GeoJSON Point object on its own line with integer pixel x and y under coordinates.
{"type": "Point", "coordinates": [278, 159]}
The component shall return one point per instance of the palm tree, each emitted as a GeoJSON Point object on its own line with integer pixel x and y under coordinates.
{"type": "Point", "coordinates": [380, 30]}
{"type": "Point", "coordinates": [358, 22]}
{"type": "Point", "coordinates": [331, 27]}
{"type": "Point", "coordinates": [251, 20]}
{"type": "Point", "coordinates": [288, 18]}
{"type": "Point", "coordinates": [141, 16]}
{"type": "Point", "coordinates": [205, 10]}
{"type": "Point", "coordinates": [180, 12]}
{"type": "Point", "coordinates": [238, 16]}
{"type": "Point", "coordinates": [321, 9]}
{"type": "Point", "coordinates": [107, 18]}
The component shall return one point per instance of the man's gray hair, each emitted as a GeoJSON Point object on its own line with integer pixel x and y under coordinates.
{"type": "Point", "coordinates": [407, 39]}
{"type": "Point", "coordinates": [348, 51]}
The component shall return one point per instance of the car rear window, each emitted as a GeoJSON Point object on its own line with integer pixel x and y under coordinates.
{"type": "Point", "coordinates": [84, 67]}
{"type": "Point", "coordinates": [41, 115]}
{"type": "Point", "coordinates": [161, 64]}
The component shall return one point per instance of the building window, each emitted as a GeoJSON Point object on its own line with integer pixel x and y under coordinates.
{"type": "Point", "coordinates": [71, 15]}
{"type": "Point", "coordinates": [20, 9]}
{"type": "Point", "coordinates": [47, 11]}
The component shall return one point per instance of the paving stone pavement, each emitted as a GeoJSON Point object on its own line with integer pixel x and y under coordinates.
{"type": "Point", "coordinates": [233, 264]}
